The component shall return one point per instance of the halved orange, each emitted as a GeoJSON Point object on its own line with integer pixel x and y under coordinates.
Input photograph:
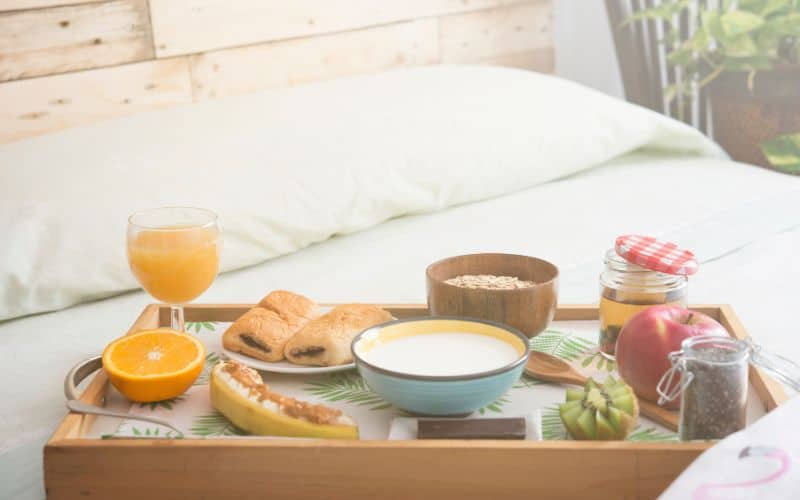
{"type": "Point", "coordinates": [153, 365]}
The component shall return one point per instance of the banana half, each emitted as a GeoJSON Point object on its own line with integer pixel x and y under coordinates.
{"type": "Point", "coordinates": [239, 393]}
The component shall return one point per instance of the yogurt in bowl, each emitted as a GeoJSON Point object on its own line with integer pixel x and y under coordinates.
{"type": "Point", "coordinates": [443, 366]}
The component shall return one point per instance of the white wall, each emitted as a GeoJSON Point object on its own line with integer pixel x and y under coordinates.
{"type": "Point", "coordinates": [584, 47]}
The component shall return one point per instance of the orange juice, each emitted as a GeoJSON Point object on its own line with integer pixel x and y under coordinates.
{"type": "Point", "coordinates": [174, 264]}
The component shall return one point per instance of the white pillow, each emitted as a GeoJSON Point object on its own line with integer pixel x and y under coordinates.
{"type": "Point", "coordinates": [288, 168]}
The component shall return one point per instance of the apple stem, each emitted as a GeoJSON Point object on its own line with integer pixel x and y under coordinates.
{"type": "Point", "coordinates": [689, 318]}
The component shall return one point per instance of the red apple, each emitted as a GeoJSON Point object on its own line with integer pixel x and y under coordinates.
{"type": "Point", "coordinates": [649, 336]}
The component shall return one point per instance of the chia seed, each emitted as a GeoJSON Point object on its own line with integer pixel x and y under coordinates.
{"type": "Point", "coordinates": [714, 403]}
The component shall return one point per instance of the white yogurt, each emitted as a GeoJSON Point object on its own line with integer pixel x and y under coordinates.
{"type": "Point", "coordinates": [442, 354]}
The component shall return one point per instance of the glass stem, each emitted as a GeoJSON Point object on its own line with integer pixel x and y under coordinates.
{"type": "Point", "coordinates": [176, 317]}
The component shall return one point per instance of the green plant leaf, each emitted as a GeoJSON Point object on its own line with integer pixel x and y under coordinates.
{"type": "Point", "coordinates": [214, 424]}
{"type": "Point", "coordinates": [783, 153]}
{"type": "Point", "coordinates": [711, 21]}
{"type": "Point", "coordinates": [788, 25]}
{"type": "Point", "coordinates": [773, 6]}
{"type": "Point", "coordinates": [348, 387]}
{"type": "Point", "coordinates": [737, 22]}
{"type": "Point", "coordinates": [740, 46]}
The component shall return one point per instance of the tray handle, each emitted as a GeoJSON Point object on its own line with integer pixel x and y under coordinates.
{"type": "Point", "coordinates": [78, 373]}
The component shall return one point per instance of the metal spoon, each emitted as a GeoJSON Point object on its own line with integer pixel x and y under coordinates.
{"type": "Point", "coordinates": [81, 407]}
{"type": "Point", "coordinates": [552, 369]}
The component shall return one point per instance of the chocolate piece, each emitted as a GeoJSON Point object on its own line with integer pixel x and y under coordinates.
{"type": "Point", "coordinates": [477, 428]}
{"type": "Point", "coordinates": [254, 342]}
{"type": "Point", "coordinates": [309, 351]}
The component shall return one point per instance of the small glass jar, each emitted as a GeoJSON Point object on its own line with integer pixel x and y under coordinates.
{"type": "Point", "coordinates": [714, 383]}
{"type": "Point", "coordinates": [626, 289]}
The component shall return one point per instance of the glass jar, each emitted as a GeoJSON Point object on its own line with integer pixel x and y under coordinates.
{"type": "Point", "coordinates": [626, 289]}
{"type": "Point", "coordinates": [714, 383]}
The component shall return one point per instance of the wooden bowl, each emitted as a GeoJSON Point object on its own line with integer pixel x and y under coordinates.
{"type": "Point", "coordinates": [529, 310]}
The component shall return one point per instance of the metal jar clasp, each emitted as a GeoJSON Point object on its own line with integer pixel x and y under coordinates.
{"type": "Point", "coordinates": [667, 389]}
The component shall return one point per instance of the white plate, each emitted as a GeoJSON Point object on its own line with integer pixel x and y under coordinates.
{"type": "Point", "coordinates": [285, 366]}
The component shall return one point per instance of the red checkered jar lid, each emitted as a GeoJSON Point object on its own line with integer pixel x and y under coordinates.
{"type": "Point", "coordinates": [656, 255]}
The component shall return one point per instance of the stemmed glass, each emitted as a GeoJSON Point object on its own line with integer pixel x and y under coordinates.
{"type": "Point", "coordinates": [174, 254]}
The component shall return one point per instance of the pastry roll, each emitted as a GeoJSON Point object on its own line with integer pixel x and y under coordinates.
{"type": "Point", "coordinates": [259, 333]}
{"type": "Point", "coordinates": [262, 332]}
{"type": "Point", "coordinates": [326, 340]}
{"type": "Point", "coordinates": [294, 308]}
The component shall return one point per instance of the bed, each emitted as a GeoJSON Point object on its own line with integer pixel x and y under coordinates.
{"type": "Point", "coordinates": [741, 222]}
{"type": "Point", "coordinates": [482, 160]}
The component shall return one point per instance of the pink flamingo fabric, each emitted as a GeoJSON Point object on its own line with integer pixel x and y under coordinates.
{"type": "Point", "coordinates": [716, 491]}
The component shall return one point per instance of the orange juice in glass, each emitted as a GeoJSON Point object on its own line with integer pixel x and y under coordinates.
{"type": "Point", "coordinates": [174, 254]}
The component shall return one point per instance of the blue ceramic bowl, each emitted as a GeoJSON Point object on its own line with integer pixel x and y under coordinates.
{"type": "Point", "coordinates": [439, 395]}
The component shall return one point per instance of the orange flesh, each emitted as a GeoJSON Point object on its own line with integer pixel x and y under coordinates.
{"type": "Point", "coordinates": [153, 354]}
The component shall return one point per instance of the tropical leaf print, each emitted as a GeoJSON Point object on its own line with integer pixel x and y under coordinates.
{"type": "Point", "coordinates": [214, 424]}
{"type": "Point", "coordinates": [561, 344]}
{"type": "Point", "coordinates": [526, 382]}
{"type": "Point", "coordinates": [167, 404]}
{"type": "Point", "coordinates": [602, 362]}
{"type": "Point", "coordinates": [496, 406]}
{"type": "Point", "coordinates": [199, 326]}
{"type": "Point", "coordinates": [553, 429]}
{"type": "Point", "coordinates": [348, 387]}
{"type": "Point", "coordinates": [153, 432]}
{"type": "Point", "coordinates": [212, 359]}
{"type": "Point", "coordinates": [652, 434]}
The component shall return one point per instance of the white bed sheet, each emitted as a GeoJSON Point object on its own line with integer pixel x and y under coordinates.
{"type": "Point", "coordinates": [741, 221]}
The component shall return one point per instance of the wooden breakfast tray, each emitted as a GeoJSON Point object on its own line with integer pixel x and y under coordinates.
{"type": "Point", "coordinates": [76, 466]}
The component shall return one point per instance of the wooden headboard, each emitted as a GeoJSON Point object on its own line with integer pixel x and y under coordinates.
{"type": "Point", "coordinates": [70, 62]}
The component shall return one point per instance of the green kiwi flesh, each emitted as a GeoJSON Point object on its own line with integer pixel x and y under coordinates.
{"type": "Point", "coordinates": [607, 411]}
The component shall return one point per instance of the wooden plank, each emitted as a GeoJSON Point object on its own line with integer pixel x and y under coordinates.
{"type": "Point", "coordinates": [478, 36]}
{"type": "Point", "coordinates": [8, 5]}
{"type": "Point", "coordinates": [48, 41]}
{"type": "Point", "coordinates": [40, 105]}
{"type": "Point", "coordinates": [279, 64]}
{"type": "Point", "coordinates": [190, 26]}
{"type": "Point", "coordinates": [314, 469]}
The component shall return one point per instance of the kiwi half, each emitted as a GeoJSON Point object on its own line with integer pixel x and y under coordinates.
{"type": "Point", "coordinates": [607, 411]}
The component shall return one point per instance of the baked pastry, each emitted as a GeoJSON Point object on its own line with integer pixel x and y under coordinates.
{"type": "Point", "coordinates": [296, 309]}
{"type": "Point", "coordinates": [259, 333]}
{"type": "Point", "coordinates": [326, 340]}
{"type": "Point", "coordinates": [262, 332]}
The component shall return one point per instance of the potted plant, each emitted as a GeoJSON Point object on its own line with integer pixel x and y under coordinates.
{"type": "Point", "coordinates": [747, 53]}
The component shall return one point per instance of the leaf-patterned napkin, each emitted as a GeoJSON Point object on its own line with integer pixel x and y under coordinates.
{"type": "Point", "coordinates": [192, 413]}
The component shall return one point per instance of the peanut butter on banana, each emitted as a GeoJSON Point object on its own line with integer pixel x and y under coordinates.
{"type": "Point", "coordinates": [248, 378]}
